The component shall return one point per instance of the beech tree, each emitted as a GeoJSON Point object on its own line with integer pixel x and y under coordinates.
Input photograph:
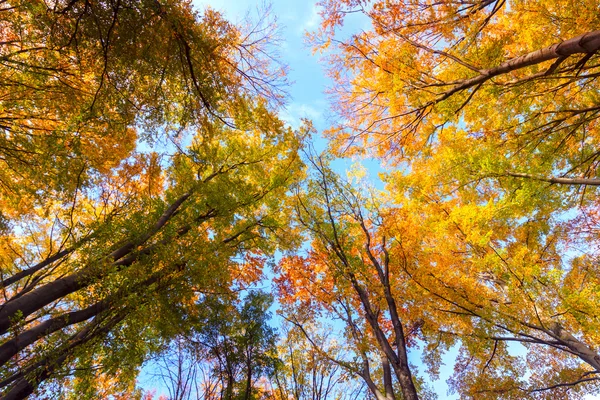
{"type": "Point", "coordinates": [486, 114]}
{"type": "Point", "coordinates": [144, 168]}
{"type": "Point", "coordinates": [351, 275]}
{"type": "Point", "coordinates": [144, 165]}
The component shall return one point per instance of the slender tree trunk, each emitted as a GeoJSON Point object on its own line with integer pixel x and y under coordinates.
{"type": "Point", "coordinates": [366, 375]}
{"type": "Point", "coordinates": [400, 358]}
{"type": "Point", "coordinates": [399, 361]}
{"type": "Point", "coordinates": [387, 378]}
{"type": "Point", "coordinates": [401, 367]}
{"type": "Point", "coordinates": [230, 378]}
{"type": "Point", "coordinates": [248, 379]}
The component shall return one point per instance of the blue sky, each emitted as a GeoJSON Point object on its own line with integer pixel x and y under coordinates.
{"type": "Point", "coordinates": [307, 99]}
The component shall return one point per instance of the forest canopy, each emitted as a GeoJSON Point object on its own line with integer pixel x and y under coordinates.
{"type": "Point", "coordinates": [149, 187]}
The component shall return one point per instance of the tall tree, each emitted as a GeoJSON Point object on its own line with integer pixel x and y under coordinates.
{"type": "Point", "coordinates": [144, 165]}
{"type": "Point", "coordinates": [83, 81]}
{"type": "Point", "coordinates": [488, 110]}
{"type": "Point", "coordinates": [240, 344]}
{"type": "Point", "coordinates": [349, 275]}
{"type": "Point", "coordinates": [309, 367]}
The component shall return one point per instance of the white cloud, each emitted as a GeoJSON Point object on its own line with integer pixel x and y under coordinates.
{"type": "Point", "coordinates": [313, 20]}
{"type": "Point", "coordinates": [295, 112]}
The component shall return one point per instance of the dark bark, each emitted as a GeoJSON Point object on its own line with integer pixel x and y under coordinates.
{"type": "Point", "coordinates": [248, 379]}
{"type": "Point", "coordinates": [387, 379]}
{"type": "Point", "coordinates": [27, 382]}
{"type": "Point", "coordinates": [29, 271]}
{"type": "Point", "coordinates": [164, 218]}
{"type": "Point", "coordinates": [46, 294]}
{"type": "Point", "coordinates": [13, 346]}
{"type": "Point", "coordinates": [25, 338]}
{"type": "Point", "coordinates": [399, 361]}
{"type": "Point", "coordinates": [38, 298]}
{"type": "Point", "coordinates": [229, 389]}
{"type": "Point", "coordinates": [588, 43]}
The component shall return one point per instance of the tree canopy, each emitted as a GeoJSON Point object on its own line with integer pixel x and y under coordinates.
{"type": "Point", "coordinates": [144, 165]}
{"type": "Point", "coordinates": [486, 115]}
{"type": "Point", "coordinates": [148, 179]}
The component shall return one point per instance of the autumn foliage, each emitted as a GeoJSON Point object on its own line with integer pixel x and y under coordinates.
{"type": "Point", "coordinates": [486, 115]}
{"type": "Point", "coordinates": [143, 165]}
{"type": "Point", "coordinates": [147, 181]}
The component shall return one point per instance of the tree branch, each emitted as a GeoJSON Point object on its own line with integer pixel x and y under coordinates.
{"type": "Point", "coordinates": [556, 180]}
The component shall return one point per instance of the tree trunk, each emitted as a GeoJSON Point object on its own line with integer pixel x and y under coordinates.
{"type": "Point", "coordinates": [26, 384]}
{"type": "Point", "coordinates": [557, 180]}
{"type": "Point", "coordinates": [248, 380]}
{"type": "Point", "coordinates": [576, 346]}
{"type": "Point", "coordinates": [387, 378]}
{"type": "Point", "coordinates": [38, 298]}
{"type": "Point", "coordinates": [22, 340]}
{"type": "Point", "coordinates": [29, 271]}
{"type": "Point", "coordinates": [588, 43]}
{"type": "Point", "coordinates": [25, 338]}
{"type": "Point", "coordinates": [398, 361]}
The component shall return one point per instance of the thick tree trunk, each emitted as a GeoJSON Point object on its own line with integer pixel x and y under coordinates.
{"type": "Point", "coordinates": [576, 346]}
{"type": "Point", "coordinates": [13, 346]}
{"type": "Point", "coordinates": [588, 43]}
{"type": "Point", "coordinates": [26, 384]}
{"type": "Point", "coordinates": [38, 298]}
{"type": "Point", "coordinates": [229, 388]}
{"type": "Point", "coordinates": [25, 338]}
